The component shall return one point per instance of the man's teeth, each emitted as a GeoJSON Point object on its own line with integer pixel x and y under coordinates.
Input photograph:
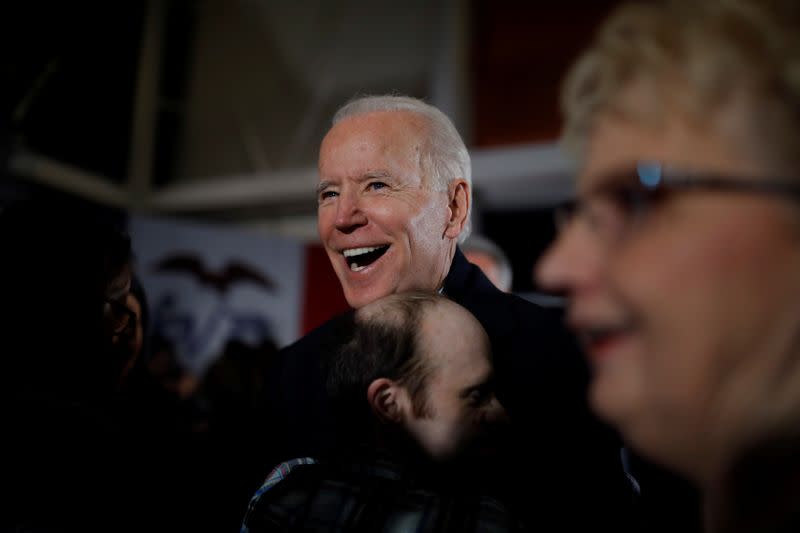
{"type": "Point", "coordinates": [353, 254]}
{"type": "Point", "coordinates": [359, 251]}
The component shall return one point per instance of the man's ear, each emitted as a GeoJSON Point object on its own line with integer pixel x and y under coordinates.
{"type": "Point", "coordinates": [458, 207]}
{"type": "Point", "coordinates": [386, 399]}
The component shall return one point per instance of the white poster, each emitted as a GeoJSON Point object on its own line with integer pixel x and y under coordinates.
{"type": "Point", "coordinates": [207, 285]}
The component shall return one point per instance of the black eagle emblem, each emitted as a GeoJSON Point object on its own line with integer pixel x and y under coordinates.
{"type": "Point", "coordinates": [234, 272]}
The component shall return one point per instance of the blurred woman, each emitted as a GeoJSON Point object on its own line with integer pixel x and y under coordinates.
{"type": "Point", "coordinates": [681, 257]}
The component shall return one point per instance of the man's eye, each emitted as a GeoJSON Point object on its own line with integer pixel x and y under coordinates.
{"type": "Point", "coordinates": [325, 195]}
{"type": "Point", "coordinates": [377, 185]}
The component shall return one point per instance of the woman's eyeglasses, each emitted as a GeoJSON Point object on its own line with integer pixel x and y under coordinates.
{"type": "Point", "coordinates": [616, 207]}
{"type": "Point", "coordinates": [123, 319]}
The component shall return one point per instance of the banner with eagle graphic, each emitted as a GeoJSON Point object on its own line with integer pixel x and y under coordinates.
{"type": "Point", "coordinates": [208, 285]}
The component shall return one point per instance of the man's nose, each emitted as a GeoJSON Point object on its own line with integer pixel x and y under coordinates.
{"type": "Point", "coordinates": [349, 213]}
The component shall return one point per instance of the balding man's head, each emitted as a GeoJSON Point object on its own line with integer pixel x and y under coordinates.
{"type": "Point", "coordinates": [422, 362]}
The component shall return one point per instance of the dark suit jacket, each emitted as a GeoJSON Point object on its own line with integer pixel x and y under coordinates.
{"type": "Point", "coordinates": [559, 455]}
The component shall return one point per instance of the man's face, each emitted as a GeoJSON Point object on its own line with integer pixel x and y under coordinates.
{"type": "Point", "coordinates": [461, 405]}
{"type": "Point", "coordinates": [383, 224]}
{"type": "Point", "coordinates": [680, 312]}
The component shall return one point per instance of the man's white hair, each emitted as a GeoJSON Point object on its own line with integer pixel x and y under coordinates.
{"type": "Point", "coordinates": [444, 157]}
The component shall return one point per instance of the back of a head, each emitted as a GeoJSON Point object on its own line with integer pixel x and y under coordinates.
{"type": "Point", "coordinates": [699, 58]}
{"type": "Point", "coordinates": [382, 341]}
{"type": "Point", "coordinates": [445, 156]}
{"type": "Point", "coordinates": [53, 236]}
{"type": "Point", "coordinates": [478, 244]}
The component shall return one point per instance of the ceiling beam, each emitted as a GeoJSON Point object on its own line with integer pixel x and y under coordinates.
{"type": "Point", "coordinates": [68, 178]}
{"type": "Point", "coordinates": [534, 174]}
{"type": "Point", "coordinates": [230, 192]}
{"type": "Point", "coordinates": [517, 177]}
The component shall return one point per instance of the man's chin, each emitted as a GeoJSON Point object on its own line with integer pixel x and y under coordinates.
{"type": "Point", "coordinates": [359, 297]}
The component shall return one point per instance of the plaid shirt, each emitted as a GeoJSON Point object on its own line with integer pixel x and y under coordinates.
{"type": "Point", "coordinates": [371, 497]}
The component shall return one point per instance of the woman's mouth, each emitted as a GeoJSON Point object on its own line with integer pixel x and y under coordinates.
{"type": "Point", "coordinates": [601, 342]}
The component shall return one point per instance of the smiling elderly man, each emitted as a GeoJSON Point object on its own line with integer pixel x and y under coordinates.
{"type": "Point", "coordinates": [394, 198]}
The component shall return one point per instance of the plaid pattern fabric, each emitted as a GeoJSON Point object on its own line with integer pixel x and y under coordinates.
{"type": "Point", "coordinates": [281, 471]}
{"type": "Point", "coordinates": [376, 497]}
{"type": "Point", "coordinates": [278, 474]}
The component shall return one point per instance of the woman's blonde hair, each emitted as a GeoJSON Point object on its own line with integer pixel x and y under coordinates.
{"type": "Point", "coordinates": [717, 49]}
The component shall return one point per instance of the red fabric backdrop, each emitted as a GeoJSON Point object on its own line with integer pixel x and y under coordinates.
{"type": "Point", "coordinates": [322, 296]}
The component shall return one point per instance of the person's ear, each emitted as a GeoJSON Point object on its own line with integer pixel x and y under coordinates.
{"type": "Point", "coordinates": [457, 207]}
{"type": "Point", "coordinates": [385, 398]}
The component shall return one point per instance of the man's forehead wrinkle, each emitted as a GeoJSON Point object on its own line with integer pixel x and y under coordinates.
{"type": "Point", "coordinates": [377, 173]}
{"type": "Point", "coordinates": [390, 156]}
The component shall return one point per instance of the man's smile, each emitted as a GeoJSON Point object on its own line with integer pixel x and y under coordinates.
{"type": "Point", "coordinates": [359, 258]}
